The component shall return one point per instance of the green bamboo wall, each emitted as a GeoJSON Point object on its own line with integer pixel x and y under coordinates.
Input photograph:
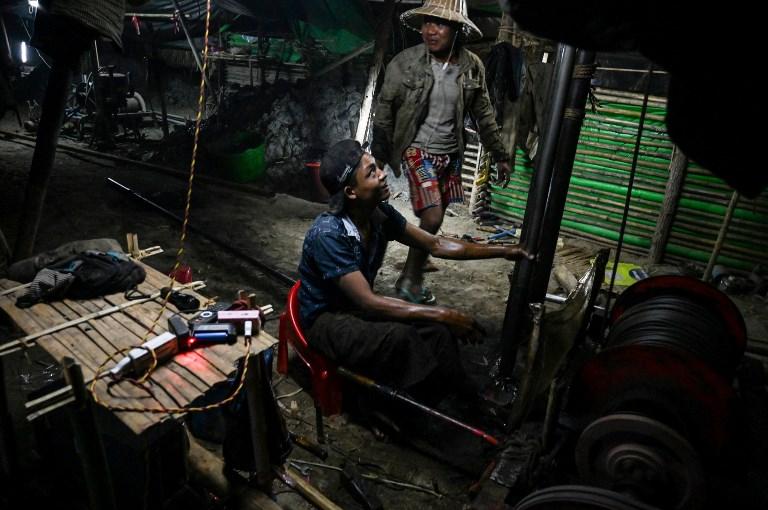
{"type": "Point", "coordinates": [599, 185]}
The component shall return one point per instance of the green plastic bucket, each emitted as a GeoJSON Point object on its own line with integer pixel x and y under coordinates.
{"type": "Point", "coordinates": [246, 166]}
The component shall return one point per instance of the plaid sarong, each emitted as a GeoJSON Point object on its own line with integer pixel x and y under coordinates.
{"type": "Point", "coordinates": [434, 179]}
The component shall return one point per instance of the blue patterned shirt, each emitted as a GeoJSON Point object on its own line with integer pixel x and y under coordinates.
{"type": "Point", "coordinates": [333, 248]}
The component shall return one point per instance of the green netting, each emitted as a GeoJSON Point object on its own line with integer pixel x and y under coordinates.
{"type": "Point", "coordinates": [281, 50]}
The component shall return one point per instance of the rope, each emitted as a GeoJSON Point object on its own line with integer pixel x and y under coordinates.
{"type": "Point", "coordinates": [100, 371]}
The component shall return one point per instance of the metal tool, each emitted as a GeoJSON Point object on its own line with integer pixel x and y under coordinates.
{"type": "Point", "coordinates": [179, 338]}
{"type": "Point", "coordinates": [396, 395]}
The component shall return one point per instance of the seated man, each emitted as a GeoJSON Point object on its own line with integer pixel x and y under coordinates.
{"type": "Point", "coordinates": [409, 346]}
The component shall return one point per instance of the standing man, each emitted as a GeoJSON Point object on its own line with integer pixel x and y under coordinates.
{"type": "Point", "coordinates": [419, 123]}
{"type": "Point", "coordinates": [410, 346]}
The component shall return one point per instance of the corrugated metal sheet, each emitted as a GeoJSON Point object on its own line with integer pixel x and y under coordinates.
{"type": "Point", "coordinates": [599, 184]}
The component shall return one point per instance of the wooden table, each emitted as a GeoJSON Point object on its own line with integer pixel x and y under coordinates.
{"type": "Point", "coordinates": [174, 384]}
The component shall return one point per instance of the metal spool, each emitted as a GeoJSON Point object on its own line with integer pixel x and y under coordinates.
{"type": "Point", "coordinates": [679, 312]}
{"type": "Point", "coordinates": [580, 497]}
{"type": "Point", "coordinates": [637, 455]}
{"type": "Point", "coordinates": [670, 386]}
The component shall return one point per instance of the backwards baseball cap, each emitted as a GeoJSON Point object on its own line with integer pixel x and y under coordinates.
{"type": "Point", "coordinates": [336, 170]}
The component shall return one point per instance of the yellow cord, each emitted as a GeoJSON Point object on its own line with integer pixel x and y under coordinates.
{"type": "Point", "coordinates": [101, 369]}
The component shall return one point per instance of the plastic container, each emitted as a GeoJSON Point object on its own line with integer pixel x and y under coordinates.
{"type": "Point", "coordinates": [182, 274]}
{"type": "Point", "coordinates": [245, 166]}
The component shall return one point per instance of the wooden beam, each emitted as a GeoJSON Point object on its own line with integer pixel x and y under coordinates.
{"type": "Point", "coordinates": [87, 441]}
{"type": "Point", "coordinates": [343, 60]}
{"type": "Point", "coordinates": [207, 470]}
{"type": "Point", "coordinates": [721, 236]}
{"type": "Point", "coordinates": [678, 167]}
{"type": "Point", "coordinates": [56, 93]}
{"type": "Point", "coordinates": [379, 48]}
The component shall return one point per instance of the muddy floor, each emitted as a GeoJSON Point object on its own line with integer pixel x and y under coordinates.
{"type": "Point", "coordinates": [436, 468]}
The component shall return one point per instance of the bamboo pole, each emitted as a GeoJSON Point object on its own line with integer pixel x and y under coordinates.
{"type": "Point", "coordinates": [294, 480]}
{"type": "Point", "coordinates": [23, 343]}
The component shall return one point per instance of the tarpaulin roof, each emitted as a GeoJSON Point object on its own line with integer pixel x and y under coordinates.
{"type": "Point", "coordinates": [340, 26]}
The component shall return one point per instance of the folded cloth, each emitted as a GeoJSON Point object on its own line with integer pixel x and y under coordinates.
{"type": "Point", "coordinates": [48, 285]}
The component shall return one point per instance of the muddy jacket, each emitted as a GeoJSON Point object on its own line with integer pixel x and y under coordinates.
{"type": "Point", "coordinates": [404, 99]}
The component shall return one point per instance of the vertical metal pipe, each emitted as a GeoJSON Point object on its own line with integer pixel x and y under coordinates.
{"type": "Point", "coordinates": [516, 312]}
{"type": "Point", "coordinates": [561, 172]}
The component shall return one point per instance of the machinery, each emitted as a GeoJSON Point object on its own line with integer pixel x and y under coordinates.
{"type": "Point", "coordinates": [656, 406]}
{"type": "Point", "coordinates": [111, 97]}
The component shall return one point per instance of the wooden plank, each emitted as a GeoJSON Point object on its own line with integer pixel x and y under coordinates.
{"type": "Point", "coordinates": [174, 384]}
{"type": "Point", "coordinates": [65, 343]}
{"type": "Point", "coordinates": [118, 337]}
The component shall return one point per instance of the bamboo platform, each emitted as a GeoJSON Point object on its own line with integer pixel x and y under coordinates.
{"type": "Point", "coordinates": [174, 384]}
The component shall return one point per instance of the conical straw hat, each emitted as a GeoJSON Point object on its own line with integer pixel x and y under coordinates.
{"type": "Point", "coordinates": [451, 10]}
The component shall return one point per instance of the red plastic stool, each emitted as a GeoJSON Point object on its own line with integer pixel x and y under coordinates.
{"type": "Point", "coordinates": [326, 384]}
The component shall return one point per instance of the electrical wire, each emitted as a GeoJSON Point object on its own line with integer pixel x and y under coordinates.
{"type": "Point", "coordinates": [24, 25]}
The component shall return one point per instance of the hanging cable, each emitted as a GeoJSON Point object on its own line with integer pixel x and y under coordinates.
{"type": "Point", "coordinates": [630, 185]}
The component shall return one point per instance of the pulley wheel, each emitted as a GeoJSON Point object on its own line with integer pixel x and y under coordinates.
{"type": "Point", "coordinates": [687, 287]}
{"type": "Point", "coordinates": [673, 387]}
{"type": "Point", "coordinates": [637, 455]}
{"type": "Point", "coordinates": [580, 497]}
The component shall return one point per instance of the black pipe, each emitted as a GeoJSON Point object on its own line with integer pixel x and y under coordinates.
{"type": "Point", "coordinates": [561, 173]}
{"type": "Point", "coordinates": [516, 315]}
{"type": "Point", "coordinates": [267, 270]}
{"type": "Point", "coordinates": [396, 395]}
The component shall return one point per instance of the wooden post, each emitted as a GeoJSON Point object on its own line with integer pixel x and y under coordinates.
{"type": "Point", "coordinates": [254, 381]}
{"type": "Point", "coordinates": [379, 48]}
{"type": "Point", "coordinates": [157, 65]}
{"type": "Point", "coordinates": [87, 442]}
{"type": "Point", "coordinates": [8, 455]}
{"type": "Point", "coordinates": [42, 160]}
{"type": "Point", "coordinates": [721, 236]}
{"type": "Point", "coordinates": [207, 470]}
{"type": "Point", "coordinates": [678, 167]}
{"type": "Point", "coordinates": [5, 251]}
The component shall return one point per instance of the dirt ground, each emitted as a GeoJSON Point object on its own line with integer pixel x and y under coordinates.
{"type": "Point", "coordinates": [82, 205]}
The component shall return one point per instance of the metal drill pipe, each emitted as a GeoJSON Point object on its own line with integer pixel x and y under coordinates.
{"type": "Point", "coordinates": [264, 268]}
{"type": "Point", "coordinates": [396, 395]}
